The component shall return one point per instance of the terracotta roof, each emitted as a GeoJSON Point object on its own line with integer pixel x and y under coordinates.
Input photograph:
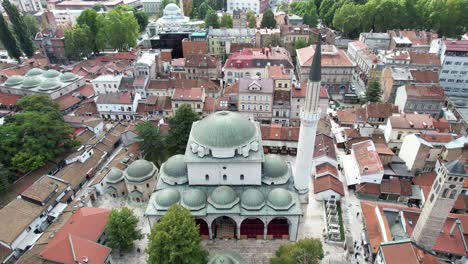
{"type": "Point", "coordinates": [86, 90]}
{"type": "Point", "coordinates": [250, 58]}
{"type": "Point", "coordinates": [42, 189]}
{"type": "Point", "coordinates": [87, 107]}
{"type": "Point", "coordinates": [406, 252]}
{"type": "Point", "coordinates": [417, 38]}
{"type": "Point", "coordinates": [367, 158]}
{"type": "Point", "coordinates": [323, 93]}
{"type": "Point", "coordinates": [369, 188]}
{"type": "Point", "coordinates": [424, 58]}
{"type": "Point", "coordinates": [425, 76]}
{"type": "Point", "coordinates": [351, 133]}
{"type": "Point", "coordinates": [352, 115]}
{"type": "Point", "coordinates": [326, 168]}
{"type": "Point", "coordinates": [324, 146]}
{"type": "Point", "coordinates": [139, 81]}
{"type": "Point", "coordinates": [154, 104]}
{"type": "Point", "coordinates": [390, 186]}
{"type": "Point", "coordinates": [76, 240]}
{"type": "Point", "coordinates": [441, 125]}
{"type": "Point", "coordinates": [201, 61]}
{"type": "Point", "coordinates": [236, 47]}
{"type": "Point", "coordinates": [278, 132]}
{"type": "Point", "coordinates": [382, 149]}
{"type": "Point", "coordinates": [406, 189]}
{"type": "Point", "coordinates": [180, 62]}
{"type": "Point", "coordinates": [165, 84]}
{"type": "Point", "coordinates": [9, 99]}
{"type": "Point", "coordinates": [277, 72]}
{"type": "Point", "coordinates": [433, 92]}
{"type": "Point", "coordinates": [436, 137]}
{"type": "Point", "coordinates": [461, 203]}
{"type": "Point", "coordinates": [67, 101]}
{"type": "Point", "coordinates": [281, 95]}
{"type": "Point", "coordinates": [412, 121]}
{"type": "Point", "coordinates": [456, 45]}
{"type": "Point", "coordinates": [382, 110]}
{"type": "Point", "coordinates": [115, 98]}
{"type": "Point", "coordinates": [193, 94]}
{"type": "Point", "coordinates": [232, 89]}
{"type": "Point", "coordinates": [328, 183]}
{"type": "Point", "coordinates": [331, 56]}
{"type": "Point", "coordinates": [373, 227]}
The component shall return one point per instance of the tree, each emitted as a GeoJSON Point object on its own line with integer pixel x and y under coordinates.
{"type": "Point", "coordinates": [4, 178]}
{"type": "Point", "coordinates": [300, 43]}
{"type": "Point", "coordinates": [226, 21]}
{"type": "Point", "coordinates": [216, 4]}
{"type": "Point", "coordinates": [325, 7]}
{"type": "Point", "coordinates": [176, 239]}
{"type": "Point", "coordinates": [20, 28]}
{"type": "Point", "coordinates": [203, 9]}
{"type": "Point", "coordinates": [118, 29]}
{"type": "Point", "coordinates": [283, 6]}
{"type": "Point", "coordinates": [9, 41]}
{"type": "Point", "coordinates": [98, 7]}
{"type": "Point", "coordinates": [179, 129]}
{"type": "Point", "coordinates": [152, 143]}
{"type": "Point", "coordinates": [211, 19]}
{"type": "Point", "coordinates": [251, 19]}
{"type": "Point", "coordinates": [268, 19]}
{"type": "Point", "coordinates": [121, 229]}
{"type": "Point", "coordinates": [307, 10]}
{"type": "Point", "coordinates": [142, 19]}
{"type": "Point", "coordinates": [273, 41]}
{"type": "Point", "coordinates": [306, 251]}
{"type": "Point", "coordinates": [35, 135]}
{"type": "Point", "coordinates": [347, 19]}
{"type": "Point", "coordinates": [89, 17]}
{"type": "Point", "coordinates": [31, 25]}
{"type": "Point", "coordinates": [373, 92]}
{"type": "Point", "coordinates": [78, 42]}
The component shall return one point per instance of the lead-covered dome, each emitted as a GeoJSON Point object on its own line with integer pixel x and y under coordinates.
{"type": "Point", "coordinates": [140, 170]}
{"type": "Point", "coordinates": [50, 74]}
{"type": "Point", "coordinates": [172, 10]}
{"type": "Point", "coordinates": [275, 170]}
{"type": "Point", "coordinates": [174, 170]}
{"type": "Point", "coordinates": [114, 175]}
{"type": "Point", "coordinates": [68, 77]}
{"type": "Point", "coordinates": [194, 199]}
{"type": "Point", "coordinates": [280, 199]}
{"type": "Point", "coordinates": [31, 82]}
{"type": "Point", "coordinates": [224, 130]}
{"type": "Point", "coordinates": [14, 80]}
{"type": "Point", "coordinates": [50, 84]}
{"type": "Point", "coordinates": [167, 197]}
{"type": "Point", "coordinates": [252, 199]}
{"type": "Point", "coordinates": [34, 72]}
{"type": "Point", "coordinates": [223, 197]}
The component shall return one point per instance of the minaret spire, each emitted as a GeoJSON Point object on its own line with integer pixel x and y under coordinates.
{"type": "Point", "coordinates": [310, 116]}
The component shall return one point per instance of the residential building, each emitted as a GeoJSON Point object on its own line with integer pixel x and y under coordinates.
{"type": "Point", "coordinates": [202, 66]}
{"type": "Point", "coordinates": [196, 43]}
{"type": "Point", "coordinates": [294, 20]}
{"type": "Point", "coordinates": [374, 114]}
{"type": "Point", "coordinates": [107, 84]}
{"type": "Point", "coordinates": [266, 37]}
{"type": "Point", "coordinates": [279, 139]}
{"type": "Point", "coordinates": [298, 93]}
{"type": "Point", "coordinates": [404, 251]}
{"type": "Point", "coordinates": [363, 165]}
{"type": "Point", "coordinates": [422, 99]}
{"type": "Point", "coordinates": [28, 6]}
{"type": "Point", "coordinates": [256, 98]}
{"type": "Point", "coordinates": [368, 65]}
{"type": "Point", "coordinates": [328, 188]}
{"type": "Point", "coordinates": [337, 68]}
{"type": "Point", "coordinates": [419, 41]}
{"type": "Point", "coordinates": [166, 87]}
{"type": "Point", "coordinates": [65, 18]}
{"type": "Point", "coordinates": [378, 113]}
{"type": "Point", "coordinates": [257, 6]}
{"type": "Point", "coordinates": [239, 18]}
{"type": "Point", "coordinates": [93, 124]}
{"type": "Point", "coordinates": [454, 74]}
{"type": "Point", "coordinates": [221, 39]}
{"type": "Point", "coordinates": [195, 97]}
{"type": "Point", "coordinates": [291, 33]}
{"type": "Point", "coordinates": [48, 82]}
{"type": "Point", "coordinates": [281, 107]}
{"type": "Point", "coordinates": [28, 216]}
{"type": "Point", "coordinates": [52, 45]}
{"type": "Point", "coordinates": [249, 63]}
{"type": "Point", "coordinates": [324, 151]}
{"type": "Point", "coordinates": [375, 41]}
{"type": "Point", "coordinates": [117, 106]}
{"type": "Point", "coordinates": [391, 79]}
{"type": "Point", "coordinates": [147, 65]}
{"type": "Point", "coordinates": [151, 7]}
{"type": "Point", "coordinates": [82, 4]}
{"type": "Point", "coordinates": [153, 105]}
{"type": "Point", "coordinates": [281, 78]}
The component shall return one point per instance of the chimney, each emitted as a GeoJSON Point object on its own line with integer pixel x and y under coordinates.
{"type": "Point", "coordinates": [454, 226]}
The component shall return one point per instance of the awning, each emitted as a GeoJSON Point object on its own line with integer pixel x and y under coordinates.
{"type": "Point", "coordinates": [29, 240]}
{"type": "Point", "coordinates": [57, 210]}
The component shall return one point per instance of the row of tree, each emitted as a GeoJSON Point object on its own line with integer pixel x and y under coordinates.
{"type": "Point", "coordinates": [116, 29]}
{"type": "Point", "coordinates": [16, 39]}
{"type": "Point", "coordinates": [305, 9]}
{"type": "Point", "coordinates": [176, 239]}
{"type": "Point", "coordinates": [447, 17]}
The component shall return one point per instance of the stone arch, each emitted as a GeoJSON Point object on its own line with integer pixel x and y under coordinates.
{"type": "Point", "coordinates": [202, 227]}
{"type": "Point", "coordinates": [252, 228]}
{"type": "Point", "coordinates": [224, 227]}
{"type": "Point", "coordinates": [278, 227]}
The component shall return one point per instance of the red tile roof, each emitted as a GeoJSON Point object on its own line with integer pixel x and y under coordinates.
{"type": "Point", "coordinates": [115, 98]}
{"type": "Point", "coordinates": [424, 58]}
{"type": "Point", "coordinates": [77, 238]}
{"type": "Point", "coordinates": [67, 101]}
{"type": "Point", "coordinates": [380, 110]}
{"type": "Point", "coordinates": [328, 183]}
{"type": "Point", "coordinates": [245, 58]}
{"type": "Point", "coordinates": [201, 61]}
{"type": "Point", "coordinates": [165, 84]}
{"type": "Point", "coordinates": [369, 188]}
{"type": "Point", "coordinates": [425, 76]}
{"type": "Point", "coordinates": [461, 203]}
{"type": "Point", "coordinates": [352, 115]}
{"type": "Point", "coordinates": [412, 121]}
{"type": "Point", "coordinates": [139, 81]}
{"type": "Point", "coordinates": [406, 252]}
{"type": "Point", "coordinates": [437, 137]}
{"type": "Point", "coordinates": [9, 99]}
{"type": "Point", "coordinates": [277, 72]}
{"type": "Point", "coordinates": [326, 168]}
{"type": "Point", "coordinates": [373, 227]}
{"type": "Point", "coordinates": [367, 158]}
{"type": "Point", "coordinates": [278, 132]}
{"type": "Point", "coordinates": [382, 149]}
{"type": "Point", "coordinates": [421, 92]}
{"type": "Point", "coordinates": [323, 93]}
{"type": "Point", "coordinates": [193, 94]}
{"type": "Point", "coordinates": [331, 56]}
{"type": "Point", "coordinates": [86, 90]}
{"type": "Point", "coordinates": [459, 45]}
{"type": "Point", "coordinates": [324, 146]}
{"type": "Point", "coordinates": [390, 186]}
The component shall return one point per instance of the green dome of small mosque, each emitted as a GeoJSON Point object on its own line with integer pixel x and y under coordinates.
{"type": "Point", "coordinates": [223, 197]}
{"type": "Point", "coordinates": [139, 170]}
{"type": "Point", "coordinates": [274, 166]}
{"type": "Point", "coordinates": [167, 197]}
{"type": "Point", "coordinates": [50, 84]}
{"type": "Point", "coordinates": [280, 199]}
{"type": "Point", "coordinates": [34, 72]}
{"type": "Point", "coordinates": [14, 80]}
{"type": "Point", "coordinates": [68, 77]}
{"type": "Point", "coordinates": [31, 82]}
{"type": "Point", "coordinates": [114, 175]}
{"type": "Point", "coordinates": [175, 166]}
{"type": "Point", "coordinates": [194, 199]}
{"type": "Point", "coordinates": [51, 74]}
{"type": "Point", "coordinates": [252, 199]}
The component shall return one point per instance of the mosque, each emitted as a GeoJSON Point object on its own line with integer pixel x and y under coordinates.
{"type": "Point", "coordinates": [172, 15]}
{"type": "Point", "coordinates": [230, 186]}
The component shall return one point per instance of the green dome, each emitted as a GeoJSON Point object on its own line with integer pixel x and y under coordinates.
{"type": "Point", "coordinates": [175, 166]}
{"type": "Point", "coordinates": [224, 130]}
{"type": "Point", "coordinates": [34, 72]}
{"type": "Point", "coordinates": [51, 74]}
{"type": "Point", "coordinates": [68, 77]}
{"type": "Point", "coordinates": [139, 170]}
{"type": "Point", "coordinates": [252, 199]}
{"type": "Point", "coordinates": [14, 80]}
{"type": "Point", "coordinates": [223, 260]}
{"type": "Point", "coordinates": [274, 166]}
{"type": "Point", "coordinates": [167, 197]}
{"type": "Point", "coordinates": [49, 84]}
{"type": "Point", "coordinates": [223, 197]}
{"type": "Point", "coordinates": [280, 199]}
{"type": "Point", "coordinates": [194, 199]}
{"type": "Point", "coordinates": [31, 82]}
{"type": "Point", "coordinates": [114, 175]}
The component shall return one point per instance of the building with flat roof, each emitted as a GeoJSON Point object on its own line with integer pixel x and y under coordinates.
{"type": "Point", "coordinates": [220, 40]}
{"type": "Point", "coordinates": [454, 74]}
{"type": "Point", "coordinates": [423, 99]}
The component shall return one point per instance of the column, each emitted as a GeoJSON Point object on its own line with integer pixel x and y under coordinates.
{"type": "Point", "coordinates": [237, 231]}
{"type": "Point", "coordinates": [265, 231]}
{"type": "Point", "coordinates": [210, 233]}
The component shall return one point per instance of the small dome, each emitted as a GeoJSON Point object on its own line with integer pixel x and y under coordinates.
{"type": "Point", "coordinates": [223, 197]}
{"type": "Point", "coordinates": [50, 74]}
{"type": "Point", "coordinates": [114, 175]}
{"type": "Point", "coordinates": [139, 170]}
{"type": "Point", "coordinates": [49, 84]}
{"type": "Point", "coordinates": [224, 130]}
{"type": "Point", "coordinates": [167, 197]}
{"type": "Point", "coordinates": [34, 72]}
{"type": "Point", "coordinates": [194, 199]}
{"type": "Point", "coordinates": [223, 260]}
{"type": "Point", "coordinates": [172, 9]}
{"type": "Point", "coordinates": [14, 80]}
{"type": "Point", "coordinates": [252, 199]}
{"type": "Point", "coordinates": [280, 199]}
{"type": "Point", "coordinates": [274, 166]}
{"type": "Point", "coordinates": [68, 77]}
{"type": "Point", "coordinates": [31, 82]}
{"type": "Point", "coordinates": [175, 166]}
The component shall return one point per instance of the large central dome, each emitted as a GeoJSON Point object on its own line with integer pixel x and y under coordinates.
{"type": "Point", "coordinates": [224, 130]}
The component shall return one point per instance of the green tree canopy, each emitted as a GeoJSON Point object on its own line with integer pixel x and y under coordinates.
{"type": "Point", "coordinates": [118, 29]}
{"type": "Point", "coordinates": [272, 41]}
{"type": "Point", "coordinates": [307, 10]}
{"type": "Point", "coordinates": [20, 28]}
{"type": "Point", "coordinates": [142, 19]}
{"type": "Point", "coordinates": [152, 143]}
{"type": "Point", "coordinates": [8, 40]}
{"type": "Point", "coordinates": [98, 7]}
{"type": "Point", "coordinates": [5, 176]}
{"type": "Point", "coordinates": [373, 92]}
{"type": "Point", "coordinates": [346, 13]}
{"type": "Point", "coordinates": [122, 229]}
{"type": "Point", "coordinates": [89, 17]}
{"type": "Point", "coordinates": [268, 19]}
{"type": "Point", "coordinates": [35, 135]}
{"type": "Point", "coordinates": [226, 21]}
{"type": "Point", "coordinates": [179, 129]}
{"type": "Point", "coordinates": [78, 42]}
{"type": "Point", "coordinates": [176, 239]}
{"type": "Point", "coordinates": [251, 19]}
{"type": "Point", "coordinates": [306, 251]}
{"type": "Point", "coordinates": [31, 25]}
{"type": "Point", "coordinates": [211, 19]}
{"type": "Point", "coordinates": [300, 43]}
{"type": "Point", "coordinates": [203, 9]}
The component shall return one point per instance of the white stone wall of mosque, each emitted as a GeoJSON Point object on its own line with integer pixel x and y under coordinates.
{"type": "Point", "coordinates": [225, 173]}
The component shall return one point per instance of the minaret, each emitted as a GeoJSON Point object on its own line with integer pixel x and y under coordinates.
{"type": "Point", "coordinates": [445, 190]}
{"type": "Point", "coordinates": [310, 115]}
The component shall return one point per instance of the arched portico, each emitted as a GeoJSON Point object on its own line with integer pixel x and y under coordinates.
{"type": "Point", "coordinates": [252, 228]}
{"type": "Point", "coordinates": [203, 228]}
{"type": "Point", "coordinates": [278, 228]}
{"type": "Point", "coordinates": [224, 227]}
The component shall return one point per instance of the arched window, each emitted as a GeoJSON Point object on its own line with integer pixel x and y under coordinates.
{"type": "Point", "coordinates": [224, 177]}
{"type": "Point", "coordinates": [207, 177]}
{"type": "Point", "coordinates": [135, 188]}
{"type": "Point", "coordinates": [147, 185]}
{"type": "Point", "coordinates": [242, 177]}
{"type": "Point", "coordinates": [445, 193]}
{"type": "Point", "coordinates": [432, 198]}
{"type": "Point", "coordinates": [453, 194]}
{"type": "Point", "coordinates": [450, 178]}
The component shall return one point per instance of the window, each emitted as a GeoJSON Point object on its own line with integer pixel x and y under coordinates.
{"type": "Point", "coordinates": [399, 136]}
{"type": "Point", "coordinates": [448, 63]}
{"type": "Point", "coordinates": [242, 177]}
{"type": "Point", "coordinates": [224, 168]}
{"type": "Point", "coordinates": [224, 177]}
{"type": "Point", "coordinates": [458, 63]}
{"type": "Point", "coordinates": [432, 198]}
{"type": "Point", "coordinates": [453, 194]}
{"type": "Point", "coordinates": [445, 193]}
{"type": "Point", "coordinates": [135, 188]}
{"type": "Point", "coordinates": [207, 177]}
{"type": "Point", "coordinates": [147, 185]}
